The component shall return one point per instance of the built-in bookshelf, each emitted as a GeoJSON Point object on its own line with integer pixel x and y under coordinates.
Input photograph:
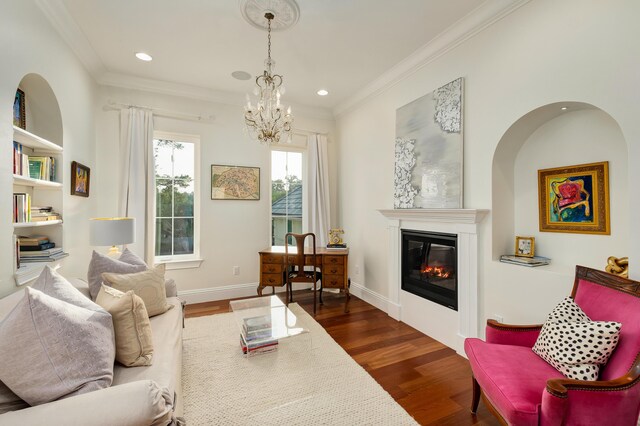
{"type": "Point", "coordinates": [37, 184]}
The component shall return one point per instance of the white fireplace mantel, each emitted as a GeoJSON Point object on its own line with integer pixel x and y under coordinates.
{"type": "Point", "coordinates": [443, 324]}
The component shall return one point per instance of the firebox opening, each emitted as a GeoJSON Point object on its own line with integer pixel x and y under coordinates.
{"type": "Point", "coordinates": [429, 266]}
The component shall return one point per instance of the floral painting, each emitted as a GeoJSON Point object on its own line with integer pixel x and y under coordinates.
{"type": "Point", "coordinates": [574, 199]}
{"type": "Point", "coordinates": [428, 166]}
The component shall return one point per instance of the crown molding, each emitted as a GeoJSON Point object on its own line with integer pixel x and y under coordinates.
{"type": "Point", "coordinates": [131, 82]}
{"type": "Point", "coordinates": [62, 21]}
{"type": "Point", "coordinates": [476, 21]}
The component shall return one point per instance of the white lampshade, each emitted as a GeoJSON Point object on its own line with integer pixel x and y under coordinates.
{"type": "Point", "coordinates": [112, 231]}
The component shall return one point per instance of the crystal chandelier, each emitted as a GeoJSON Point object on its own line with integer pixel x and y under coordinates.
{"type": "Point", "coordinates": [267, 121]}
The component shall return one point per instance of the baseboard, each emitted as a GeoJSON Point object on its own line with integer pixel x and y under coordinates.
{"type": "Point", "coordinates": [211, 294]}
{"type": "Point", "coordinates": [379, 301]}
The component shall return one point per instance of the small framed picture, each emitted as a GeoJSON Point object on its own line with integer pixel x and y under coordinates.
{"type": "Point", "coordinates": [525, 246]}
{"type": "Point", "coordinates": [19, 118]}
{"type": "Point", "coordinates": [80, 179]}
{"type": "Point", "coordinates": [235, 182]}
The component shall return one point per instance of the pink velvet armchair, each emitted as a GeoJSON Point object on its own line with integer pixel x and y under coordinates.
{"type": "Point", "coordinates": [520, 388]}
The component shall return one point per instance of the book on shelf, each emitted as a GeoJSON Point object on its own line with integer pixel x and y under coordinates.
{"type": "Point", "coordinates": [35, 259]}
{"type": "Point", "coordinates": [40, 253]}
{"type": "Point", "coordinates": [40, 247]}
{"type": "Point", "coordinates": [525, 261]}
{"type": "Point", "coordinates": [21, 207]}
{"type": "Point", "coordinates": [34, 240]}
{"type": "Point", "coordinates": [43, 168]}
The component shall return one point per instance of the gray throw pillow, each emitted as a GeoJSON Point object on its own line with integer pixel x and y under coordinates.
{"type": "Point", "coordinates": [100, 264]}
{"type": "Point", "coordinates": [55, 285]}
{"type": "Point", "coordinates": [131, 258]}
{"type": "Point", "coordinates": [52, 349]}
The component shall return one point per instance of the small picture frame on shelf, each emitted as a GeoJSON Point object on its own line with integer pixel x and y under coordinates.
{"type": "Point", "coordinates": [19, 116]}
{"type": "Point", "coordinates": [525, 246]}
{"type": "Point", "coordinates": [80, 179]}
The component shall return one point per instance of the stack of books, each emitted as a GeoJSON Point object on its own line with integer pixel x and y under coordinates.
{"type": "Point", "coordinates": [21, 207]}
{"type": "Point", "coordinates": [42, 214]}
{"type": "Point", "coordinates": [336, 246]}
{"type": "Point", "coordinates": [525, 261]}
{"type": "Point", "coordinates": [256, 335]}
{"type": "Point", "coordinates": [39, 249]}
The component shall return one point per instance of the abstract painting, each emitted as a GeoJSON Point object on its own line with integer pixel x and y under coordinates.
{"type": "Point", "coordinates": [575, 199]}
{"type": "Point", "coordinates": [428, 164]}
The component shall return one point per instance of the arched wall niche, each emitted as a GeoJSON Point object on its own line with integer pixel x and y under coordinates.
{"type": "Point", "coordinates": [43, 116]}
{"type": "Point", "coordinates": [550, 137]}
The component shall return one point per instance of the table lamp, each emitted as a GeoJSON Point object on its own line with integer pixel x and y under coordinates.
{"type": "Point", "coordinates": [112, 231]}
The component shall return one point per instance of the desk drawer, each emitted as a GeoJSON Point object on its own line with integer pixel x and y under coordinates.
{"type": "Point", "coordinates": [333, 269]}
{"type": "Point", "coordinates": [272, 258]}
{"type": "Point", "coordinates": [333, 260]}
{"type": "Point", "coordinates": [271, 279]}
{"type": "Point", "coordinates": [332, 281]}
{"type": "Point", "coordinates": [308, 260]}
{"type": "Point", "coordinates": [272, 268]}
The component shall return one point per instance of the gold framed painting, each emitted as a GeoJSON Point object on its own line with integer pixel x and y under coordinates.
{"type": "Point", "coordinates": [525, 246]}
{"type": "Point", "coordinates": [575, 199]}
{"type": "Point", "coordinates": [235, 182]}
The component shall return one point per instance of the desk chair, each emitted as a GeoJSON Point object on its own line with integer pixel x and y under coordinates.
{"type": "Point", "coordinates": [294, 266]}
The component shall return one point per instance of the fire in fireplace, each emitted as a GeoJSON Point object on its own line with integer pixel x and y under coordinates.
{"type": "Point", "coordinates": [429, 266]}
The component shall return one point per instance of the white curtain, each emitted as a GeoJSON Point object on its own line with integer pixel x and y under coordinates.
{"type": "Point", "coordinates": [318, 193]}
{"type": "Point", "coordinates": [137, 189]}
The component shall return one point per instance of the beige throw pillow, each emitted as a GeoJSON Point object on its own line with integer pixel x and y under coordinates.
{"type": "Point", "coordinates": [149, 285]}
{"type": "Point", "coordinates": [134, 344]}
{"type": "Point", "coordinates": [52, 349]}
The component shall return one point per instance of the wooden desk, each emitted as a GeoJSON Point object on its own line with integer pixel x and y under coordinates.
{"type": "Point", "coordinates": [332, 263]}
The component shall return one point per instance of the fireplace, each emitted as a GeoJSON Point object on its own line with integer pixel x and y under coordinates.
{"type": "Point", "coordinates": [429, 266]}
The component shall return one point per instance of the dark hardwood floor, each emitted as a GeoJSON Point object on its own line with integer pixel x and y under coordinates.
{"type": "Point", "coordinates": [428, 379]}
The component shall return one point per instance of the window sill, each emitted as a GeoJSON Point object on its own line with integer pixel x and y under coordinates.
{"type": "Point", "coordinates": [180, 263]}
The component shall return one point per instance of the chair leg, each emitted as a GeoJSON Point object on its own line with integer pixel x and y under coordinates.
{"type": "Point", "coordinates": [314, 299]}
{"type": "Point", "coordinates": [321, 302]}
{"type": "Point", "coordinates": [476, 395]}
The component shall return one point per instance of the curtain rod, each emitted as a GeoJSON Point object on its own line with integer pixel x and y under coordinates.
{"type": "Point", "coordinates": [115, 106]}
{"type": "Point", "coordinates": [304, 132]}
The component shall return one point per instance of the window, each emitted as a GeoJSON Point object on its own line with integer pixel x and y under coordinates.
{"type": "Point", "coordinates": [176, 225]}
{"type": "Point", "coordinates": [286, 195]}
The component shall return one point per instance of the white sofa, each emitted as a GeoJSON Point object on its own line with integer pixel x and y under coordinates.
{"type": "Point", "coordinates": [138, 395]}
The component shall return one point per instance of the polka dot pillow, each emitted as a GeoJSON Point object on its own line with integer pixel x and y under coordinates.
{"type": "Point", "coordinates": [573, 344]}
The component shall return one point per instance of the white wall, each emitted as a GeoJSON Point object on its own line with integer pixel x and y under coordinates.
{"type": "Point", "coordinates": [232, 232]}
{"type": "Point", "coordinates": [28, 44]}
{"type": "Point", "coordinates": [542, 53]}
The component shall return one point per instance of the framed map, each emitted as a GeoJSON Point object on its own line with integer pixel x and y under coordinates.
{"type": "Point", "coordinates": [235, 182]}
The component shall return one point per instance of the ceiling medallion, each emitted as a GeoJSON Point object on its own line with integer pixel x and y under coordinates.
{"type": "Point", "coordinates": [286, 13]}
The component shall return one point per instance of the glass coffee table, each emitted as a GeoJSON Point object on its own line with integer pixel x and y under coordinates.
{"type": "Point", "coordinates": [264, 323]}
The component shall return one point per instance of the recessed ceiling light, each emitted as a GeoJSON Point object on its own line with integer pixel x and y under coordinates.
{"type": "Point", "coordinates": [241, 75]}
{"type": "Point", "coordinates": [564, 108]}
{"type": "Point", "coordinates": [144, 56]}
{"type": "Point", "coordinates": [322, 92]}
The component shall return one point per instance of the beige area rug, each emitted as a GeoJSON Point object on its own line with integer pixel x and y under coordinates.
{"type": "Point", "coordinates": [312, 381]}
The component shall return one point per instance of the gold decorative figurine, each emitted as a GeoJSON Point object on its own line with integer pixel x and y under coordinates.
{"type": "Point", "coordinates": [618, 266]}
{"type": "Point", "coordinates": [335, 238]}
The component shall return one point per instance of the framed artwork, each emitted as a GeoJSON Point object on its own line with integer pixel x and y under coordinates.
{"type": "Point", "coordinates": [235, 182]}
{"type": "Point", "coordinates": [575, 199]}
{"type": "Point", "coordinates": [525, 246]}
{"type": "Point", "coordinates": [19, 117]}
{"type": "Point", "coordinates": [428, 163]}
{"type": "Point", "coordinates": [80, 179]}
